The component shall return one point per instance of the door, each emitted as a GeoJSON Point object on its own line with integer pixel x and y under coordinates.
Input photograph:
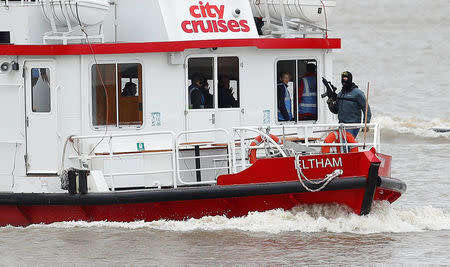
{"type": "Point", "coordinates": [200, 100]}
{"type": "Point", "coordinates": [213, 95]}
{"type": "Point", "coordinates": [40, 121]}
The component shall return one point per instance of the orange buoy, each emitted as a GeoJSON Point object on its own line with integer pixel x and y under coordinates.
{"type": "Point", "coordinates": [252, 152]}
{"type": "Point", "coordinates": [333, 137]}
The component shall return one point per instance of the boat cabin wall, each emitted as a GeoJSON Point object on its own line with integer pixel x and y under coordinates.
{"type": "Point", "coordinates": [37, 132]}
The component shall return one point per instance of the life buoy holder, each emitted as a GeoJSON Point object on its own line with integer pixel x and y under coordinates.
{"type": "Point", "coordinates": [333, 137]}
{"type": "Point", "coordinates": [258, 140]}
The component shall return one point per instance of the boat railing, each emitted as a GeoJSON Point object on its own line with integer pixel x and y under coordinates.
{"type": "Point", "coordinates": [310, 136]}
{"type": "Point", "coordinates": [216, 154]}
{"type": "Point", "coordinates": [22, 2]}
{"type": "Point", "coordinates": [213, 151]}
{"type": "Point", "coordinates": [90, 153]}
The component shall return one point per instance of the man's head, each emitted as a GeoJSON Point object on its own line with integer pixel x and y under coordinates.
{"type": "Point", "coordinates": [311, 67]}
{"type": "Point", "coordinates": [130, 89]}
{"type": "Point", "coordinates": [285, 77]}
{"type": "Point", "coordinates": [346, 80]}
{"type": "Point", "coordinates": [197, 79]}
{"type": "Point", "coordinates": [224, 81]}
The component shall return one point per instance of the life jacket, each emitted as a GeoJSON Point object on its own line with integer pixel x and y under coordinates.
{"type": "Point", "coordinates": [287, 103]}
{"type": "Point", "coordinates": [308, 104]}
{"type": "Point", "coordinates": [192, 88]}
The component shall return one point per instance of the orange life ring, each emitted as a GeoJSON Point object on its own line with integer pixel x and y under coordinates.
{"type": "Point", "coordinates": [333, 137]}
{"type": "Point", "coordinates": [252, 152]}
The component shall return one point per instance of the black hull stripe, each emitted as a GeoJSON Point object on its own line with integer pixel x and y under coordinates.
{"type": "Point", "coordinates": [181, 194]}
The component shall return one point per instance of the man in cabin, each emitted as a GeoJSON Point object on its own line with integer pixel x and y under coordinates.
{"type": "Point", "coordinates": [196, 97]}
{"type": "Point", "coordinates": [307, 94]}
{"type": "Point", "coordinates": [350, 103]}
{"type": "Point", "coordinates": [226, 98]}
{"type": "Point", "coordinates": [130, 89]}
{"type": "Point", "coordinates": [284, 101]}
{"type": "Point", "coordinates": [209, 98]}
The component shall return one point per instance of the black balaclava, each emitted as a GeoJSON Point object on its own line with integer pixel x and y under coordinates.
{"type": "Point", "coordinates": [347, 85]}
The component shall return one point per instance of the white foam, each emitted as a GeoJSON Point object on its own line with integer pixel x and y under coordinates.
{"type": "Point", "coordinates": [305, 218]}
{"type": "Point", "coordinates": [413, 126]}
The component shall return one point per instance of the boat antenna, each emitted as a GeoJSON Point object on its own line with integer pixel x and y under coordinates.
{"type": "Point", "coordinates": [365, 115]}
{"type": "Point", "coordinates": [326, 20]}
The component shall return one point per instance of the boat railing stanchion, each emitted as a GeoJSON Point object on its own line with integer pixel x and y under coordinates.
{"type": "Point", "coordinates": [174, 160]}
{"type": "Point", "coordinates": [243, 162]}
{"type": "Point", "coordinates": [111, 165]}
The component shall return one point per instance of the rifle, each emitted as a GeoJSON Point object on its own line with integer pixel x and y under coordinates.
{"type": "Point", "coordinates": [331, 90]}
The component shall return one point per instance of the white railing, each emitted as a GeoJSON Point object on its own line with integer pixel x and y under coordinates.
{"type": "Point", "coordinates": [310, 135]}
{"type": "Point", "coordinates": [229, 156]}
{"type": "Point", "coordinates": [180, 148]}
{"type": "Point", "coordinates": [22, 2]}
{"type": "Point", "coordinates": [111, 155]}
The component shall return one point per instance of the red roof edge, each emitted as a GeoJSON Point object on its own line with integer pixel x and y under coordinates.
{"type": "Point", "coordinates": [177, 46]}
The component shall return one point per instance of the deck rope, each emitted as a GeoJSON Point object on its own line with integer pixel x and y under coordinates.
{"type": "Point", "coordinates": [324, 182]}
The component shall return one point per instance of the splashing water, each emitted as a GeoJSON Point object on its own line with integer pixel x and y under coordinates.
{"type": "Point", "coordinates": [304, 218]}
{"type": "Point", "coordinates": [413, 127]}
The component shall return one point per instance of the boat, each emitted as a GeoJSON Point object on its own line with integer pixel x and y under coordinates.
{"type": "Point", "coordinates": [100, 121]}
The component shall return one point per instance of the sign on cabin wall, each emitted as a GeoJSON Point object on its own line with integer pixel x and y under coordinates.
{"type": "Point", "coordinates": [214, 19]}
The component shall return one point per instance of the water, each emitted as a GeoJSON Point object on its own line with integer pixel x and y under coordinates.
{"type": "Point", "coordinates": [401, 47]}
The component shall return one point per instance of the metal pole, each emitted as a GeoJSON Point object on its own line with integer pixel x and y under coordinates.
{"type": "Point", "coordinates": [365, 115]}
{"type": "Point", "coordinates": [197, 163]}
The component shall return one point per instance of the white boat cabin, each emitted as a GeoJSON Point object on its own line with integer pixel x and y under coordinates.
{"type": "Point", "coordinates": [105, 85]}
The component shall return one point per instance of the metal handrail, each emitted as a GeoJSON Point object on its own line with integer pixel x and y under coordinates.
{"type": "Point", "coordinates": [230, 154]}
{"type": "Point", "coordinates": [111, 154]}
{"type": "Point", "coordinates": [306, 131]}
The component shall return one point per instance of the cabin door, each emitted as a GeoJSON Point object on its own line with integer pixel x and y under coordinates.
{"type": "Point", "coordinates": [40, 120]}
{"type": "Point", "coordinates": [218, 106]}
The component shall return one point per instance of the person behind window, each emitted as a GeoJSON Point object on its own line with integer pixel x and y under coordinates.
{"type": "Point", "coordinates": [196, 97]}
{"type": "Point", "coordinates": [226, 98]}
{"type": "Point", "coordinates": [307, 94]}
{"type": "Point", "coordinates": [209, 98]}
{"type": "Point", "coordinates": [130, 89]}
{"type": "Point", "coordinates": [284, 98]}
{"type": "Point", "coordinates": [350, 103]}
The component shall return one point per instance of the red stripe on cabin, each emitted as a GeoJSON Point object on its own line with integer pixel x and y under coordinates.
{"type": "Point", "coordinates": [149, 47]}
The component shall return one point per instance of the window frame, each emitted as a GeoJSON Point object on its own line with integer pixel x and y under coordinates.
{"type": "Point", "coordinates": [319, 89]}
{"type": "Point", "coordinates": [91, 104]}
{"type": "Point", "coordinates": [216, 81]}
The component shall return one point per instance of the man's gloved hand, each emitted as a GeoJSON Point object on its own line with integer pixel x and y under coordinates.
{"type": "Point", "coordinates": [330, 101]}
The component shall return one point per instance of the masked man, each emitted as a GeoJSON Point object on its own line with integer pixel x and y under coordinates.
{"type": "Point", "coordinates": [350, 104]}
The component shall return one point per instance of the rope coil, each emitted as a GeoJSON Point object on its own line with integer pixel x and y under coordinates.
{"type": "Point", "coordinates": [324, 182]}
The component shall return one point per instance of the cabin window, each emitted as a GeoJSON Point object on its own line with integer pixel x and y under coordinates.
{"type": "Point", "coordinates": [201, 83]}
{"type": "Point", "coordinates": [297, 90]}
{"type": "Point", "coordinates": [5, 37]}
{"type": "Point", "coordinates": [202, 79]}
{"type": "Point", "coordinates": [117, 94]}
{"type": "Point", "coordinates": [228, 83]}
{"type": "Point", "coordinates": [40, 90]}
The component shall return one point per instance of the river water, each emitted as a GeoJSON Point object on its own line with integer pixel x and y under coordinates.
{"type": "Point", "coordinates": [401, 48]}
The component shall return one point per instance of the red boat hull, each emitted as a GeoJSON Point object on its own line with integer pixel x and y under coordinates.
{"type": "Point", "coordinates": [351, 190]}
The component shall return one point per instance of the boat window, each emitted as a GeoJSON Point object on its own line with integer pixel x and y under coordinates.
{"type": "Point", "coordinates": [117, 94]}
{"type": "Point", "coordinates": [40, 90]}
{"type": "Point", "coordinates": [201, 83]}
{"type": "Point", "coordinates": [228, 83]}
{"type": "Point", "coordinates": [286, 82]}
{"type": "Point", "coordinates": [297, 90]}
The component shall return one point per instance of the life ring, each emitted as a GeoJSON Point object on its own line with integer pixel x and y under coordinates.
{"type": "Point", "coordinates": [333, 137]}
{"type": "Point", "coordinates": [252, 152]}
